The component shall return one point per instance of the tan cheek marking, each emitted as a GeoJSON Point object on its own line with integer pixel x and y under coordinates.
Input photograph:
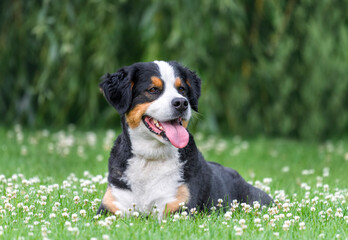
{"type": "Point", "coordinates": [157, 82]}
{"type": "Point", "coordinates": [183, 195]}
{"type": "Point", "coordinates": [177, 82]}
{"type": "Point", "coordinates": [108, 201]}
{"type": "Point", "coordinates": [133, 117]}
{"type": "Point", "coordinates": [185, 123]}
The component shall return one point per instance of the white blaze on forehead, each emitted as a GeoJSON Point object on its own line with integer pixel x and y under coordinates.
{"type": "Point", "coordinates": [167, 72]}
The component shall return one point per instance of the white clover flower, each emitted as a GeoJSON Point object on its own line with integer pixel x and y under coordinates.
{"type": "Point", "coordinates": [326, 172]}
{"type": "Point", "coordinates": [74, 230]}
{"type": "Point", "coordinates": [266, 217]}
{"type": "Point", "coordinates": [329, 211]}
{"type": "Point", "coordinates": [267, 181]}
{"type": "Point", "coordinates": [105, 237]}
{"type": "Point", "coordinates": [286, 207]}
{"type": "Point", "coordinates": [74, 217]}
{"type": "Point", "coordinates": [220, 201]}
{"type": "Point", "coordinates": [239, 231]}
{"type": "Point", "coordinates": [256, 205]}
{"type": "Point", "coordinates": [118, 213]}
{"type": "Point", "coordinates": [135, 214]}
{"type": "Point", "coordinates": [228, 215]}
{"type": "Point", "coordinates": [285, 169]}
{"type": "Point", "coordinates": [276, 234]}
{"type": "Point", "coordinates": [257, 220]}
{"type": "Point", "coordinates": [286, 225]}
{"type": "Point", "coordinates": [193, 211]}
{"type": "Point", "coordinates": [52, 215]}
{"type": "Point", "coordinates": [312, 209]}
{"type": "Point", "coordinates": [76, 199]}
{"type": "Point", "coordinates": [302, 225]}
{"type": "Point", "coordinates": [272, 210]}
{"type": "Point", "coordinates": [83, 213]}
{"type": "Point", "coordinates": [242, 221]}
{"type": "Point", "coordinates": [247, 208]}
{"type": "Point", "coordinates": [176, 216]}
{"type": "Point", "coordinates": [67, 224]}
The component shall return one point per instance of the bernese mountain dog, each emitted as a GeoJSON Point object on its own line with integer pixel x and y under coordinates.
{"type": "Point", "coordinates": [155, 163]}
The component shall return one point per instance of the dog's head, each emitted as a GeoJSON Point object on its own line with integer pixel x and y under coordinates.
{"type": "Point", "coordinates": [156, 99]}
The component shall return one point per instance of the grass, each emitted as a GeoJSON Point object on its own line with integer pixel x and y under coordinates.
{"type": "Point", "coordinates": [51, 183]}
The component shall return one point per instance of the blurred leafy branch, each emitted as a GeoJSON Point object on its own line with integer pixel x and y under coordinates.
{"type": "Point", "coordinates": [270, 67]}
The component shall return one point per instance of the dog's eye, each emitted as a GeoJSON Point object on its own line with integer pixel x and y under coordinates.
{"type": "Point", "coordinates": [153, 90]}
{"type": "Point", "coordinates": [181, 89]}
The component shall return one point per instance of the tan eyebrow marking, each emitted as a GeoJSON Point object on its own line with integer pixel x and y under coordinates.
{"type": "Point", "coordinates": [157, 82]}
{"type": "Point", "coordinates": [177, 82]}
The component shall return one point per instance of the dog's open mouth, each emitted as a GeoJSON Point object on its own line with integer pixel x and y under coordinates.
{"type": "Point", "coordinates": [172, 130]}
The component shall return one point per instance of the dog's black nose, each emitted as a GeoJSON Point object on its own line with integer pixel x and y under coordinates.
{"type": "Point", "coordinates": [180, 104]}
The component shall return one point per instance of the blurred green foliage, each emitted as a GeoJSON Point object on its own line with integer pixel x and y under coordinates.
{"type": "Point", "coordinates": [270, 67]}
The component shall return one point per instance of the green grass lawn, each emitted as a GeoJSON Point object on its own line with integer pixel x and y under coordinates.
{"type": "Point", "coordinates": [51, 183]}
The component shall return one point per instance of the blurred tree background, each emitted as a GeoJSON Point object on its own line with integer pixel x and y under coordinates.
{"type": "Point", "coordinates": [271, 67]}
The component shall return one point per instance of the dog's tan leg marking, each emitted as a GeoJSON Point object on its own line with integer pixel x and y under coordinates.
{"type": "Point", "coordinates": [133, 117]}
{"type": "Point", "coordinates": [182, 195]}
{"type": "Point", "coordinates": [108, 201]}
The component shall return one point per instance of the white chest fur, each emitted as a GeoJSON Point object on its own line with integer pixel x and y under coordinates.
{"type": "Point", "coordinates": [152, 182]}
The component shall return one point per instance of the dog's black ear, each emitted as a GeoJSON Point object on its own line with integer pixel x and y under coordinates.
{"type": "Point", "coordinates": [117, 89]}
{"type": "Point", "coordinates": [194, 83]}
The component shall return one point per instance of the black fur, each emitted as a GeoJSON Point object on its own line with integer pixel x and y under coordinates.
{"type": "Point", "coordinates": [117, 89]}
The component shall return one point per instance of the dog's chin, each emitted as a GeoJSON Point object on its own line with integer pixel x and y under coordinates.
{"type": "Point", "coordinates": [168, 132]}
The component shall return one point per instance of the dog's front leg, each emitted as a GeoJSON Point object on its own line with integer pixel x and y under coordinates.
{"type": "Point", "coordinates": [182, 196]}
{"type": "Point", "coordinates": [108, 203]}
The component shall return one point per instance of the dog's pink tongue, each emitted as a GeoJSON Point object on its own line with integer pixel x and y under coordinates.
{"type": "Point", "coordinates": [176, 134]}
